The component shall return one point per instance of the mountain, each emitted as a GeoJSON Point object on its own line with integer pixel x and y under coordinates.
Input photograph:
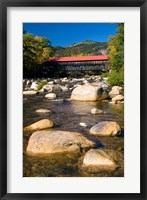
{"type": "Point", "coordinates": [87, 47]}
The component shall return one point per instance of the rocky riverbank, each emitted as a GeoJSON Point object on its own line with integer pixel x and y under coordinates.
{"type": "Point", "coordinates": [87, 147]}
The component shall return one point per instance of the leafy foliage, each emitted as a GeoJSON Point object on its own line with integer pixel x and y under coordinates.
{"type": "Point", "coordinates": [36, 50]}
{"type": "Point", "coordinates": [41, 84]}
{"type": "Point", "coordinates": [116, 48]}
{"type": "Point", "coordinates": [116, 77]}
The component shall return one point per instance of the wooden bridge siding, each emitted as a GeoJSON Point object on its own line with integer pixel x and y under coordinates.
{"type": "Point", "coordinates": [75, 66]}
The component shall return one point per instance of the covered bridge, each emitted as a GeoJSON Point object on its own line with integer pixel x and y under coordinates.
{"type": "Point", "coordinates": [77, 63]}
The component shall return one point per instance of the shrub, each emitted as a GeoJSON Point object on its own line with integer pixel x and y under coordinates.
{"type": "Point", "coordinates": [41, 84]}
{"type": "Point", "coordinates": [116, 78]}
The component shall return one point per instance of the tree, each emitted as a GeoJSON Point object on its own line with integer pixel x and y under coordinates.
{"type": "Point", "coordinates": [36, 50]}
{"type": "Point", "coordinates": [116, 49]}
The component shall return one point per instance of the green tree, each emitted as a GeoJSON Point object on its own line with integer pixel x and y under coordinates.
{"type": "Point", "coordinates": [116, 49]}
{"type": "Point", "coordinates": [36, 50]}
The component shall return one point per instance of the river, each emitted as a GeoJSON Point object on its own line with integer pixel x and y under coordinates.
{"type": "Point", "coordinates": [67, 115]}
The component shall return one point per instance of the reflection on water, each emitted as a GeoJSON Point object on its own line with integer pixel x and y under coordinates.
{"type": "Point", "coordinates": [67, 115]}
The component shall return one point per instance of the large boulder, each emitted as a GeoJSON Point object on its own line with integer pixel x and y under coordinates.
{"type": "Point", "coordinates": [87, 93]}
{"type": "Point", "coordinates": [97, 160]}
{"type": "Point", "coordinates": [41, 124]}
{"type": "Point", "coordinates": [50, 142]}
{"type": "Point", "coordinates": [106, 128]}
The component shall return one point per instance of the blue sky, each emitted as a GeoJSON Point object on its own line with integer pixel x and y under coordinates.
{"type": "Point", "coordinates": [64, 34]}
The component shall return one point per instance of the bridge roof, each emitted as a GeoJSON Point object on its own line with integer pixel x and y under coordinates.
{"type": "Point", "coordinates": [80, 58]}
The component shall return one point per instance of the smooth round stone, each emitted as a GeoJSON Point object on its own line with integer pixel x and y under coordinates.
{"type": "Point", "coordinates": [118, 98]}
{"type": "Point", "coordinates": [106, 128]}
{"type": "Point", "coordinates": [96, 160]}
{"type": "Point", "coordinates": [51, 96]}
{"type": "Point", "coordinates": [39, 125]}
{"type": "Point", "coordinates": [43, 111]}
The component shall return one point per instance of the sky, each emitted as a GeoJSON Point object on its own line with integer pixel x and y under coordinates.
{"type": "Point", "coordinates": [65, 34]}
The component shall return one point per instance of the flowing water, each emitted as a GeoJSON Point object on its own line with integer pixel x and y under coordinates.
{"type": "Point", "coordinates": [67, 115]}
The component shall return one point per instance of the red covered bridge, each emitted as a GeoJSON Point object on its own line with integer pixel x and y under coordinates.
{"type": "Point", "coordinates": [77, 63]}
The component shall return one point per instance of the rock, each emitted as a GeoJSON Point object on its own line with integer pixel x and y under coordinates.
{"type": "Point", "coordinates": [118, 98]}
{"type": "Point", "coordinates": [50, 96]}
{"type": "Point", "coordinates": [28, 82]}
{"type": "Point", "coordinates": [50, 142]}
{"type": "Point", "coordinates": [105, 86]}
{"type": "Point", "coordinates": [83, 124]}
{"type": "Point", "coordinates": [52, 88]}
{"type": "Point", "coordinates": [113, 93]}
{"type": "Point", "coordinates": [96, 111]}
{"type": "Point", "coordinates": [106, 128]}
{"type": "Point", "coordinates": [50, 83]}
{"type": "Point", "coordinates": [97, 160]}
{"type": "Point", "coordinates": [43, 111]}
{"type": "Point", "coordinates": [29, 92]}
{"type": "Point", "coordinates": [87, 93]}
{"type": "Point", "coordinates": [34, 86]}
{"type": "Point", "coordinates": [112, 102]}
{"type": "Point", "coordinates": [120, 89]}
{"type": "Point", "coordinates": [116, 90]}
{"type": "Point", "coordinates": [65, 80]}
{"type": "Point", "coordinates": [42, 124]}
{"type": "Point", "coordinates": [64, 88]}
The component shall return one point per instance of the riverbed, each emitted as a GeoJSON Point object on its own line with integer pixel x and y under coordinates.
{"type": "Point", "coordinates": [67, 115]}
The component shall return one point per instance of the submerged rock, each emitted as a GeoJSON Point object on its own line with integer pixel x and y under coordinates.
{"type": "Point", "coordinates": [42, 124]}
{"type": "Point", "coordinates": [50, 142]}
{"type": "Point", "coordinates": [83, 124]}
{"type": "Point", "coordinates": [43, 111]}
{"type": "Point", "coordinates": [87, 93]}
{"type": "Point", "coordinates": [96, 111]}
{"type": "Point", "coordinates": [106, 128]}
{"type": "Point", "coordinates": [97, 160]}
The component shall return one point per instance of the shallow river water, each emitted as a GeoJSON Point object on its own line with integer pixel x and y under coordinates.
{"type": "Point", "coordinates": [67, 115]}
